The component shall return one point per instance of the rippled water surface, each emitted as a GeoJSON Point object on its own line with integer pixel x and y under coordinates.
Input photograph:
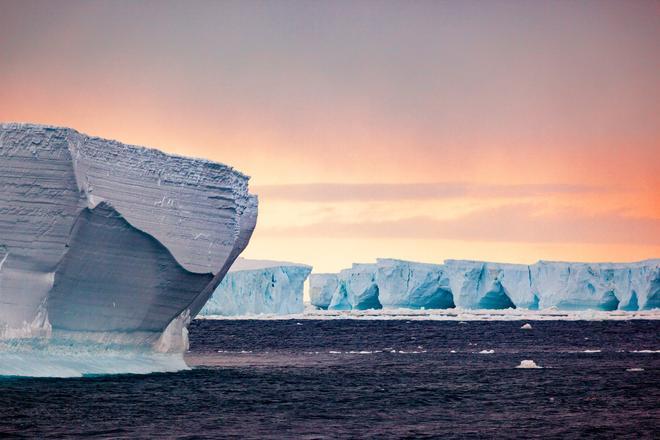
{"type": "Point", "coordinates": [353, 378]}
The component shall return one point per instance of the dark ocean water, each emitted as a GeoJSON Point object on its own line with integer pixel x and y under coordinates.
{"type": "Point", "coordinates": [299, 379]}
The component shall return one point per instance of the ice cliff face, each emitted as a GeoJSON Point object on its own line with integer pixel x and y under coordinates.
{"type": "Point", "coordinates": [357, 289]}
{"type": "Point", "coordinates": [413, 285]}
{"type": "Point", "coordinates": [322, 287]}
{"type": "Point", "coordinates": [110, 242]}
{"type": "Point", "coordinates": [632, 286]}
{"type": "Point", "coordinates": [482, 285]}
{"type": "Point", "coordinates": [255, 287]}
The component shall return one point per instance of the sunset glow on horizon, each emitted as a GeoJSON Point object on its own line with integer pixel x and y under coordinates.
{"type": "Point", "coordinates": [505, 131]}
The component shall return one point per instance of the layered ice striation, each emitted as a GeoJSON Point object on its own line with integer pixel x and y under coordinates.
{"type": "Point", "coordinates": [256, 287]}
{"type": "Point", "coordinates": [110, 245]}
{"type": "Point", "coordinates": [482, 285]}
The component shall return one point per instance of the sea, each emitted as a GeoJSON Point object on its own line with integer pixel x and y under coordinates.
{"type": "Point", "coordinates": [352, 378]}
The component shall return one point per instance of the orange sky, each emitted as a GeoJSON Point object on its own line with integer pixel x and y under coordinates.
{"type": "Point", "coordinates": [514, 131]}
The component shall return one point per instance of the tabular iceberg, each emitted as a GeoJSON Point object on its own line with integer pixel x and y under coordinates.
{"type": "Point", "coordinates": [111, 246]}
{"type": "Point", "coordinates": [254, 287]}
{"type": "Point", "coordinates": [482, 285]}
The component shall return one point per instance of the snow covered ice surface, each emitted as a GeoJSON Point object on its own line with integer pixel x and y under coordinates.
{"type": "Point", "coordinates": [256, 287]}
{"type": "Point", "coordinates": [476, 285]}
{"type": "Point", "coordinates": [106, 246]}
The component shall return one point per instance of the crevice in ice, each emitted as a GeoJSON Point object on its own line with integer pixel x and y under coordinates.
{"type": "Point", "coordinates": [441, 299]}
{"type": "Point", "coordinates": [609, 302]}
{"type": "Point", "coordinates": [653, 300]}
{"type": "Point", "coordinates": [496, 298]}
{"type": "Point", "coordinates": [535, 303]}
{"type": "Point", "coordinates": [633, 303]}
{"type": "Point", "coordinates": [340, 299]}
{"type": "Point", "coordinates": [369, 300]}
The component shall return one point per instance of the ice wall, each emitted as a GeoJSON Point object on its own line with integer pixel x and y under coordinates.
{"type": "Point", "coordinates": [603, 286]}
{"type": "Point", "coordinates": [321, 288]}
{"type": "Point", "coordinates": [414, 286]}
{"type": "Point", "coordinates": [259, 287]}
{"type": "Point", "coordinates": [484, 285]}
{"type": "Point", "coordinates": [102, 242]}
{"type": "Point", "coordinates": [357, 289]}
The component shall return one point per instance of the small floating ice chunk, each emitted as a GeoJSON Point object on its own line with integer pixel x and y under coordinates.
{"type": "Point", "coordinates": [528, 363]}
{"type": "Point", "coordinates": [634, 369]}
{"type": "Point", "coordinates": [487, 352]}
{"type": "Point", "coordinates": [591, 351]}
{"type": "Point", "coordinates": [452, 351]}
{"type": "Point", "coordinates": [527, 326]}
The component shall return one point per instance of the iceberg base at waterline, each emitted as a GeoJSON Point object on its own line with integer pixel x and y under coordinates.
{"type": "Point", "coordinates": [62, 358]}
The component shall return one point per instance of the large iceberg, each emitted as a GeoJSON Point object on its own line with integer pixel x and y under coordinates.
{"type": "Point", "coordinates": [482, 285]}
{"type": "Point", "coordinates": [255, 287]}
{"type": "Point", "coordinates": [109, 246]}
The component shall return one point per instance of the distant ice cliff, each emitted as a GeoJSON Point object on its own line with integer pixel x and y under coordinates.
{"type": "Point", "coordinates": [481, 285]}
{"type": "Point", "coordinates": [254, 287]}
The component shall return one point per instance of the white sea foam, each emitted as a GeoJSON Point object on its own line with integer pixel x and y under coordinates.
{"type": "Point", "coordinates": [634, 369]}
{"type": "Point", "coordinates": [487, 352]}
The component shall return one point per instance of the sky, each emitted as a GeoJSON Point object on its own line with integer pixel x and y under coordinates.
{"type": "Point", "coordinates": [509, 131]}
